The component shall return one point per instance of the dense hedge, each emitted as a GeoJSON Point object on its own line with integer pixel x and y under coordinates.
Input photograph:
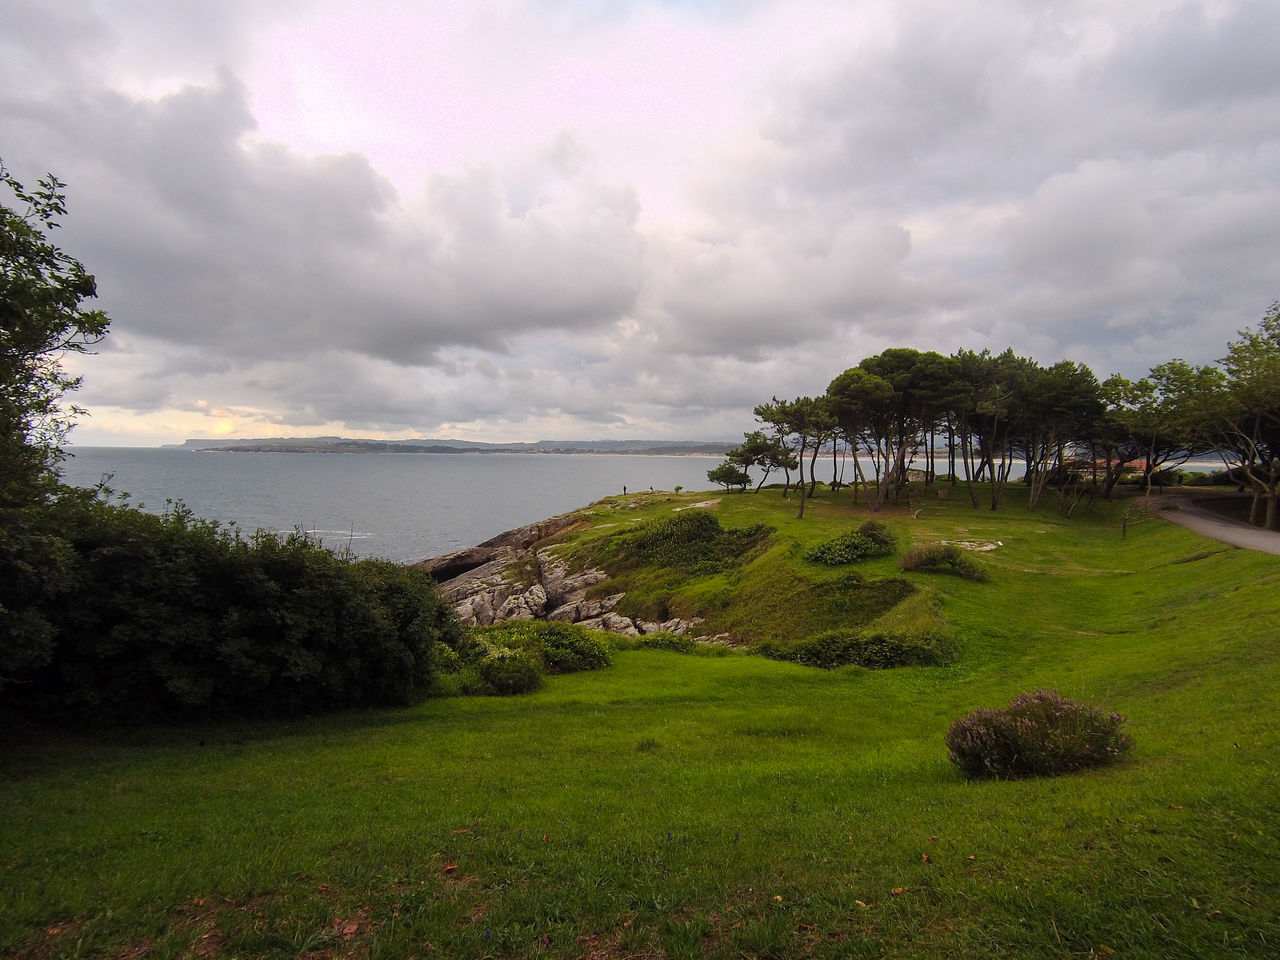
{"type": "Point", "coordinates": [129, 617]}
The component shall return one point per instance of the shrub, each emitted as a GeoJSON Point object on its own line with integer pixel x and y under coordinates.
{"type": "Point", "coordinates": [507, 672]}
{"type": "Point", "coordinates": [944, 558]}
{"type": "Point", "coordinates": [692, 541]}
{"type": "Point", "coordinates": [880, 534]}
{"type": "Point", "coordinates": [846, 548]}
{"type": "Point", "coordinates": [557, 647]}
{"type": "Point", "coordinates": [1038, 734]}
{"type": "Point", "coordinates": [875, 650]}
{"type": "Point", "coordinates": [666, 640]}
{"type": "Point", "coordinates": [872, 539]}
{"type": "Point", "coordinates": [171, 617]}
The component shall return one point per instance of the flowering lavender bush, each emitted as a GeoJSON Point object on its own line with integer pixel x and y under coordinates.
{"type": "Point", "coordinates": [1038, 734]}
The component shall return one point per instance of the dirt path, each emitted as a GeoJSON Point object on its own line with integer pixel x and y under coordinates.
{"type": "Point", "coordinates": [1217, 527]}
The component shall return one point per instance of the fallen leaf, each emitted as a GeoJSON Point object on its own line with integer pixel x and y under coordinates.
{"type": "Point", "coordinates": [897, 891]}
{"type": "Point", "coordinates": [450, 867]}
{"type": "Point", "coordinates": [924, 858]}
{"type": "Point", "coordinates": [862, 905]}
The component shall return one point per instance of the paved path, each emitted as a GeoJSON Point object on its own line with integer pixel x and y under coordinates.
{"type": "Point", "coordinates": [1214, 525]}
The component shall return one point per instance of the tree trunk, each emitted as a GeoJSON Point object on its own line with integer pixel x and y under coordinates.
{"type": "Point", "coordinates": [800, 481]}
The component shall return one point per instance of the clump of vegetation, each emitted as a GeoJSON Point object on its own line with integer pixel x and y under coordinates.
{"type": "Point", "coordinates": [692, 541]}
{"type": "Point", "coordinates": [555, 647]}
{"type": "Point", "coordinates": [875, 650]}
{"type": "Point", "coordinates": [516, 657]}
{"type": "Point", "coordinates": [846, 548]}
{"type": "Point", "coordinates": [169, 617]}
{"type": "Point", "coordinates": [880, 534]}
{"type": "Point", "coordinates": [1038, 734]}
{"type": "Point", "coordinates": [872, 539]}
{"type": "Point", "coordinates": [944, 558]}
{"type": "Point", "coordinates": [504, 671]}
{"type": "Point", "coordinates": [663, 640]}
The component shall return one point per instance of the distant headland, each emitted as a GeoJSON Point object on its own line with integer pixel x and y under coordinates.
{"type": "Point", "coordinates": [346, 445]}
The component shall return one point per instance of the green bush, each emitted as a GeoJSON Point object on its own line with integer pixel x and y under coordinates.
{"type": "Point", "coordinates": [151, 617]}
{"type": "Point", "coordinates": [872, 539]}
{"type": "Point", "coordinates": [944, 558]}
{"type": "Point", "coordinates": [691, 541]}
{"type": "Point", "coordinates": [505, 671]}
{"type": "Point", "coordinates": [1038, 734]}
{"type": "Point", "coordinates": [666, 640]}
{"type": "Point", "coordinates": [875, 650]}
{"type": "Point", "coordinates": [557, 647]}
{"type": "Point", "coordinates": [846, 548]}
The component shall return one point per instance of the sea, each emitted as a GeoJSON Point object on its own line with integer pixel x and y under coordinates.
{"type": "Point", "coordinates": [402, 507]}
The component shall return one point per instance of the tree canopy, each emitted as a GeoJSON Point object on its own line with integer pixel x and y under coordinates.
{"type": "Point", "coordinates": [42, 318]}
{"type": "Point", "coordinates": [989, 414]}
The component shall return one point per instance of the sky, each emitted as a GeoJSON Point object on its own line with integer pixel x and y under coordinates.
{"type": "Point", "coordinates": [516, 220]}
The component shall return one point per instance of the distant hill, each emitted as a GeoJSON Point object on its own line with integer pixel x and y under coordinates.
{"type": "Point", "coordinates": [348, 445]}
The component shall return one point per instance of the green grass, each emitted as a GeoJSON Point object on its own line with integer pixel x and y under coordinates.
{"type": "Point", "coordinates": [676, 806]}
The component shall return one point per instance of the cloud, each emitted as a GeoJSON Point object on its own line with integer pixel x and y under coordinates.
{"type": "Point", "coordinates": [503, 218]}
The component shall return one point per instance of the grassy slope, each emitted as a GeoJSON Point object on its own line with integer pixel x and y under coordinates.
{"type": "Point", "coordinates": [727, 807]}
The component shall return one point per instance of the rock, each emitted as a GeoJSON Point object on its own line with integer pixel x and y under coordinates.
{"type": "Point", "coordinates": [506, 545]}
{"type": "Point", "coordinates": [477, 582]}
{"type": "Point", "coordinates": [617, 623]}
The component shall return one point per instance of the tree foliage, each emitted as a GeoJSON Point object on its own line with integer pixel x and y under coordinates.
{"type": "Point", "coordinates": [172, 617]}
{"type": "Point", "coordinates": [42, 318]}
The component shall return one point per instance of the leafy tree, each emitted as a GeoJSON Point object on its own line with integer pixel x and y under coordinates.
{"type": "Point", "coordinates": [809, 419]}
{"type": "Point", "coordinates": [1249, 414]}
{"type": "Point", "coordinates": [764, 452]}
{"type": "Point", "coordinates": [1061, 407]}
{"type": "Point", "coordinates": [857, 398]}
{"type": "Point", "coordinates": [42, 318]}
{"type": "Point", "coordinates": [1114, 445]}
{"type": "Point", "coordinates": [1160, 417]}
{"type": "Point", "coordinates": [729, 474]}
{"type": "Point", "coordinates": [897, 401]}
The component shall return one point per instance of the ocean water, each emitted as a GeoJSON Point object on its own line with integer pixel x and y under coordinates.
{"type": "Point", "coordinates": [400, 506]}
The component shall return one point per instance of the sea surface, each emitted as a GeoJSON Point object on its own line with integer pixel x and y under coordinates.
{"type": "Point", "coordinates": [399, 506]}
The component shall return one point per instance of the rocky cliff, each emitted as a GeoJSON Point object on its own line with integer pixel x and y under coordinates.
{"type": "Point", "coordinates": [515, 576]}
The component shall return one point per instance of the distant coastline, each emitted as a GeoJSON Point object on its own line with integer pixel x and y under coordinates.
{"type": "Point", "coordinates": [664, 448]}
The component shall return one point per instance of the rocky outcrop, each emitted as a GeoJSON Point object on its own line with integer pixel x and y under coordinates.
{"type": "Point", "coordinates": [492, 583]}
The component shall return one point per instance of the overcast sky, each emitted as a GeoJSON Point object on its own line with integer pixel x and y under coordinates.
{"type": "Point", "coordinates": [529, 219]}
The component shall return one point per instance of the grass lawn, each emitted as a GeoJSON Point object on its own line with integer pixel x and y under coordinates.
{"type": "Point", "coordinates": [726, 807]}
